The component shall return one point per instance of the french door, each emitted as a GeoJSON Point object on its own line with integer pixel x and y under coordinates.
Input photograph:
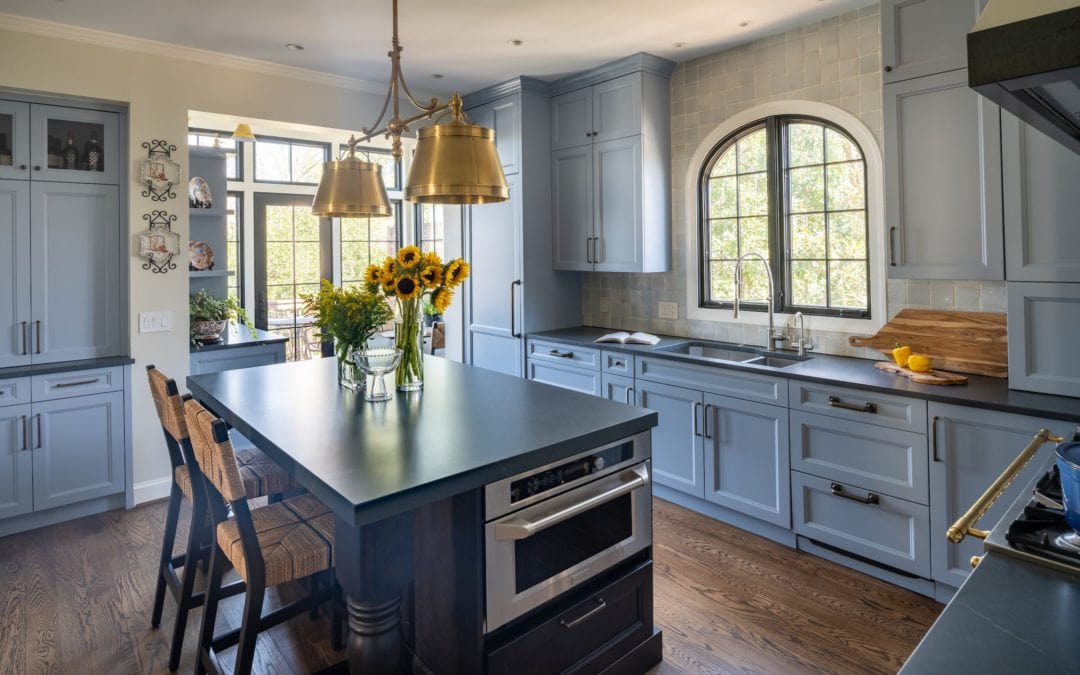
{"type": "Point", "coordinates": [292, 256]}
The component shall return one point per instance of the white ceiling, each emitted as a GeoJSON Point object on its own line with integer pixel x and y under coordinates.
{"type": "Point", "coordinates": [466, 41]}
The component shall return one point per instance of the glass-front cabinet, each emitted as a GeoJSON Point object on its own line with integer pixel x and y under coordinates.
{"type": "Point", "coordinates": [14, 139]}
{"type": "Point", "coordinates": [73, 144]}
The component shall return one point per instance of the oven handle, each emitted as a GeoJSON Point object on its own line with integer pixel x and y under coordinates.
{"type": "Point", "coordinates": [522, 528]}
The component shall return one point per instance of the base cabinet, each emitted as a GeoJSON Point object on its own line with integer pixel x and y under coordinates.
{"type": "Point", "coordinates": [678, 442]}
{"type": "Point", "coordinates": [618, 388]}
{"type": "Point", "coordinates": [16, 462]}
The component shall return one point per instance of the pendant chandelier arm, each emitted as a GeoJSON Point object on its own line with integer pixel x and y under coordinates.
{"type": "Point", "coordinates": [369, 134]}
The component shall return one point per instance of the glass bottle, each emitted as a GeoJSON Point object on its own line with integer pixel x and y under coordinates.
{"type": "Point", "coordinates": [93, 154]}
{"type": "Point", "coordinates": [55, 161]}
{"type": "Point", "coordinates": [71, 153]}
{"type": "Point", "coordinates": [5, 151]}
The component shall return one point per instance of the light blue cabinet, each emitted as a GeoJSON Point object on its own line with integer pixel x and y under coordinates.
{"type": "Point", "coordinates": [16, 462]}
{"type": "Point", "coordinates": [15, 127]}
{"type": "Point", "coordinates": [571, 174]}
{"type": "Point", "coordinates": [746, 458]}
{"type": "Point", "coordinates": [924, 37]}
{"type": "Point", "coordinates": [1043, 318]}
{"type": "Point", "coordinates": [618, 388]}
{"type": "Point", "coordinates": [602, 112]}
{"type": "Point", "coordinates": [678, 441]}
{"type": "Point", "coordinates": [565, 376]}
{"type": "Point", "coordinates": [969, 448]}
{"type": "Point", "coordinates": [74, 128]}
{"type": "Point", "coordinates": [15, 316]}
{"type": "Point", "coordinates": [502, 116]}
{"type": "Point", "coordinates": [619, 237]}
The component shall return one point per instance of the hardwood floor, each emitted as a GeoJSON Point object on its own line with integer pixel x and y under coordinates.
{"type": "Point", "coordinates": [76, 598]}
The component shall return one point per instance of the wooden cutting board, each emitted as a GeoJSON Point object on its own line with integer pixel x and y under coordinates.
{"type": "Point", "coordinates": [928, 377]}
{"type": "Point", "coordinates": [961, 342]}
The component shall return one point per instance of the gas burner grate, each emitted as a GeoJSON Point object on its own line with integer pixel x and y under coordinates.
{"type": "Point", "coordinates": [1039, 527]}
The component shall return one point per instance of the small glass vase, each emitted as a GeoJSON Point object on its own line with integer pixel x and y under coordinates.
{"type": "Point", "coordinates": [349, 374]}
{"type": "Point", "coordinates": [409, 338]}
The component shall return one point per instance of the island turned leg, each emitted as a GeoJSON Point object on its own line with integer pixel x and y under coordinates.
{"type": "Point", "coordinates": [374, 567]}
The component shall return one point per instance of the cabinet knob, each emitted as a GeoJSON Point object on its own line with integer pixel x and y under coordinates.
{"type": "Point", "coordinates": [888, 69]}
{"type": "Point", "coordinates": [588, 133]}
{"type": "Point", "coordinates": [37, 167]}
{"type": "Point", "coordinates": [22, 167]}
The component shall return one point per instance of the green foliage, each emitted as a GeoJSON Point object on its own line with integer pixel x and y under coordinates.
{"type": "Point", "coordinates": [348, 315]}
{"type": "Point", "coordinates": [204, 307]}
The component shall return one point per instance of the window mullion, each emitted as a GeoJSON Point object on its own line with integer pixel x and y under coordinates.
{"type": "Point", "coordinates": [776, 163]}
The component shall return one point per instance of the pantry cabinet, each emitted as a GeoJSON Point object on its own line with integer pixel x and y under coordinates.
{"type": "Point", "coordinates": [15, 315]}
{"type": "Point", "coordinates": [924, 37]}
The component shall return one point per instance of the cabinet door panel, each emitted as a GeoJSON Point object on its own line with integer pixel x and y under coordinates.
{"type": "Point", "coordinates": [616, 108]}
{"type": "Point", "coordinates": [571, 188]}
{"type": "Point", "coordinates": [14, 273]}
{"type": "Point", "coordinates": [571, 119]}
{"type": "Point", "coordinates": [75, 271]}
{"type": "Point", "coordinates": [924, 37]}
{"type": "Point", "coordinates": [1042, 204]}
{"type": "Point", "coordinates": [566, 377]}
{"type": "Point", "coordinates": [969, 449]}
{"type": "Point", "coordinates": [502, 116]}
{"type": "Point", "coordinates": [617, 205]}
{"type": "Point", "coordinates": [494, 251]}
{"type": "Point", "coordinates": [78, 449]}
{"type": "Point", "coordinates": [16, 462]}
{"type": "Point", "coordinates": [618, 388]}
{"type": "Point", "coordinates": [1043, 318]}
{"type": "Point", "coordinates": [746, 458]}
{"type": "Point", "coordinates": [943, 180]}
{"type": "Point", "coordinates": [59, 122]}
{"type": "Point", "coordinates": [15, 128]}
{"type": "Point", "coordinates": [677, 442]}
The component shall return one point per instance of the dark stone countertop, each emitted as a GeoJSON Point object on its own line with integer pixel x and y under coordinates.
{"type": "Point", "coordinates": [238, 335]}
{"type": "Point", "coordinates": [368, 461]}
{"type": "Point", "coordinates": [64, 366]}
{"type": "Point", "coordinates": [981, 392]}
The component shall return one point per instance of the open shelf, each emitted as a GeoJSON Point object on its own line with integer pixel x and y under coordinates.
{"type": "Point", "coordinates": [211, 273]}
{"type": "Point", "coordinates": [216, 212]}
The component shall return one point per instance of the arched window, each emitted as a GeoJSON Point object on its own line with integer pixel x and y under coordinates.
{"type": "Point", "coordinates": [793, 190]}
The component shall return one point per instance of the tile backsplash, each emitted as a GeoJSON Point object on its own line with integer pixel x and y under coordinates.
{"type": "Point", "coordinates": [835, 61]}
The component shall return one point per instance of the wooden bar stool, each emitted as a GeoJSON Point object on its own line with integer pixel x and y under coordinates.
{"type": "Point", "coordinates": [261, 477]}
{"type": "Point", "coordinates": [271, 545]}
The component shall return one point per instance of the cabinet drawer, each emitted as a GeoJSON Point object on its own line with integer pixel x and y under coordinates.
{"type": "Point", "coordinates": [14, 392]}
{"type": "Point", "coordinates": [217, 360]}
{"type": "Point", "coordinates": [567, 377]}
{"type": "Point", "coordinates": [560, 352]}
{"type": "Point", "coordinates": [891, 461]}
{"type": "Point", "coordinates": [617, 363]}
{"type": "Point", "coordinates": [591, 634]}
{"type": "Point", "coordinates": [860, 405]}
{"type": "Point", "coordinates": [892, 531]}
{"type": "Point", "coordinates": [77, 383]}
{"type": "Point", "coordinates": [716, 380]}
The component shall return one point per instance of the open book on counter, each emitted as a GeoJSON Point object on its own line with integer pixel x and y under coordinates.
{"type": "Point", "coordinates": [622, 337]}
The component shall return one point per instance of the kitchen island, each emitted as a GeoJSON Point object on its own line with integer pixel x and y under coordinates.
{"type": "Point", "coordinates": [405, 479]}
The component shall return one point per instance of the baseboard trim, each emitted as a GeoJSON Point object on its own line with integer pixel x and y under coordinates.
{"type": "Point", "coordinates": [152, 490]}
{"type": "Point", "coordinates": [744, 522]}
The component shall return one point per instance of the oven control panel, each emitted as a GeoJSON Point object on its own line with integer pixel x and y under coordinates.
{"type": "Point", "coordinates": [549, 479]}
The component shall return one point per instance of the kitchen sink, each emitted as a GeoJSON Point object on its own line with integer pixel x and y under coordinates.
{"type": "Point", "coordinates": [728, 353]}
{"type": "Point", "coordinates": [776, 361]}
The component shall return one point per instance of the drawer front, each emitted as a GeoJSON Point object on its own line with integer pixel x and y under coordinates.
{"type": "Point", "coordinates": [894, 532]}
{"type": "Point", "coordinates": [736, 383]}
{"type": "Point", "coordinates": [567, 377]}
{"type": "Point", "coordinates": [15, 392]}
{"type": "Point", "coordinates": [591, 633]}
{"type": "Point", "coordinates": [860, 405]}
{"type": "Point", "coordinates": [883, 460]}
{"type": "Point", "coordinates": [617, 363]}
{"type": "Point", "coordinates": [217, 360]}
{"type": "Point", "coordinates": [559, 352]}
{"type": "Point", "coordinates": [77, 383]}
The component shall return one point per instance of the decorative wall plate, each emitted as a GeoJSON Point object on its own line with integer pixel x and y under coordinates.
{"type": "Point", "coordinates": [199, 195]}
{"type": "Point", "coordinates": [202, 256]}
{"type": "Point", "coordinates": [159, 243]}
{"type": "Point", "coordinates": [158, 172]}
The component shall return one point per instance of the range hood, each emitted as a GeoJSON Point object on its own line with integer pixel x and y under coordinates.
{"type": "Point", "coordinates": [1026, 58]}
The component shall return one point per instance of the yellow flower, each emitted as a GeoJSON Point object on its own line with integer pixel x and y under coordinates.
{"type": "Point", "coordinates": [431, 259]}
{"type": "Point", "coordinates": [431, 277]}
{"type": "Point", "coordinates": [408, 257]}
{"type": "Point", "coordinates": [407, 288]}
{"type": "Point", "coordinates": [373, 274]}
{"type": "Point", "coordinates": [443, 298]}
{"type": "Point", "coordinates": [456, 272]}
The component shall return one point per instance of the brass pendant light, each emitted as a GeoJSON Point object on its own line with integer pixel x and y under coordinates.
{"type": "Point", "coordinates": [455, 163]}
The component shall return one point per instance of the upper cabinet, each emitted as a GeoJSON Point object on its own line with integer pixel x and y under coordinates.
{"type": "Point", "coordinates": [74, 145]}
{"type": "Point", "coordinates": [611, 167]}
{"type": "Point", "coordinates": [14, 139]}
{"type": "Point", "coordinates": [923, 37]}
{"type": "Point", "coordinates": [504, 117]}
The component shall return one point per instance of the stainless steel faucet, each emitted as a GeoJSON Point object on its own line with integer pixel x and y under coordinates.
{"type": "Point", "coordinates": [774, 337]}
{"type": "Point", "coordinates": [802, 343]}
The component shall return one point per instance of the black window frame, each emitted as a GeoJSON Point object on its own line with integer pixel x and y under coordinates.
{"type": "Point", "coordinates": [779, 232]}
{"type": "Point", "coordinates": [418, 227]}
{"type": "Point", "coordinates": [326, 148]}
{"type": "Point", "coordinates": [238, 151]}
{"type": "Point", "coordinates": [399, 233]}
{"type": "Point", "coordinates": [362, 150]}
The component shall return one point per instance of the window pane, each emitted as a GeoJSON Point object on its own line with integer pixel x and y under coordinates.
{"type": "Point", "coordinates": [354, 259]}
{"type": "Point", "coordinates": [807, 187]}
{"type": "Point", "coordinates": [272, 161]}
{"type": "Point", "coordinates": [279, 263]}
{"type": "Point", "coordinates": [388, 166]}
{"type": "Point", "coordinates": [722, 281]}
{"type": "Point", "coordinates": [365, 241]}
{"type": "Point", "coordinates": [306, 223]}
{"type": "Point", "coordinates": [754, 236]}
{"type": "Point", "coordinates": [354, 229]}
{"type": "Point", "coordinates": [847, 284]}
{"type": "Point", "coordinates": [754, 195]}
{"type": "Point", "coordinates": [806, 144]}
{"type": "Point", "coordinates": [385, 227]}
{"type": "Point", "coordinates": [752, 149]}
{"type": "Point", "coordinates": [724, 239]}
{"type": "Point", "coordinates": [307, 161]}
{"type": "Point", "coordinates": [725, 164]}
{"type": "Point", "coordinates": [808, 283]}
{"type": "Point", "coordinates": [755, 281]}
{"type": "Point", "coordinates": [847, 235]}
{"type": "Point", "coordinates": [307, 262]}
{"type": "Point", "coordinates": [808, 236]}
{"type": "Point", "coordinates": [838, 148]}
{"type": "Point", "coordinates": [723, 197]}
{"type": "Point", "coordinates": [845, 186]}
{"type": "Point", "coordinates": [279, 223]}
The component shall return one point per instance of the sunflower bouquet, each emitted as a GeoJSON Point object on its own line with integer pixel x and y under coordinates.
{"type": "Point", "coordinates": [410, 278]}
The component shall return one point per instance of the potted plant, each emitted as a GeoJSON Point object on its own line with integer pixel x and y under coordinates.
{"type": "Point", "coordinates": [350, 317]}
{"type": "Point", "coordinates": [210, 315]}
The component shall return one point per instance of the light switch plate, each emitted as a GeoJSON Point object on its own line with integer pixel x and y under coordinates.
{"type": "Point", "coordinates": [155, 322]}
{"type": "Point", "coordinates": [668, 310]}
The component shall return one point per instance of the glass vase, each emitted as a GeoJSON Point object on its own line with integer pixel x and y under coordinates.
{"type": "Point", "coordinates": [349, 374]}
{"type": "Point", "coordinates": [409, 338]}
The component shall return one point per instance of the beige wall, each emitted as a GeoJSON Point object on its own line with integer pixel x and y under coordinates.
{"type": "Point", "coordinates": [160, 90]}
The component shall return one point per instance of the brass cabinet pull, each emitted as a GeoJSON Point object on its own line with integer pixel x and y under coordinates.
{"type": "Point", "coordinates": [513, 319]}
{"type": "Point", "coordinates": [79, 383]}
{"type": "Point", "coordinates": [600, 606]}
{"type": "Point", "coordinates": [933, 437]}
{"type": "Point", "coordinates": [561, 355]}
{"type": "Point", "coordinates": [838, 490]}
{"type": "Point", "coordinates": [867, 407]}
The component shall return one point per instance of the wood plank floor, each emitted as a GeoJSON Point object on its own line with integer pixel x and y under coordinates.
{"type": "Point", "coordinates": [76, 598]}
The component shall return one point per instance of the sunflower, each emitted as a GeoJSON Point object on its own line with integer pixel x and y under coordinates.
{"type": "Point", "coordinates": [408, 257]}
{"type": "Point", "coordinates": [431, 259]}
{"type": "Point", "coordinates": [456, 272]}
{"type": "Point", "coordinates": [373, 274]}
{"type": "Point", "coordinates": [388, 283]}
{"type": "Point", "coordinates": [431, 277]}
{"type": "Point", "coordinates": [407, 288]}
{"type": "Point", "coordinates": [443, 298]}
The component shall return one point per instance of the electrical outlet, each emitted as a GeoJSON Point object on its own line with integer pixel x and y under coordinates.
{"type": "Point", "coordinates": [155, 322]}
{"type": "Point", "coordinates": [668, 310]}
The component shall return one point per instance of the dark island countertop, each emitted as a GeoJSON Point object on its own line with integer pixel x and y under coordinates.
{"type": "Point", "coordinates": [982, 392]}
{"type": "Point", "coordinates": [368, 461]}
{"type": "Point", "coordinates": [238, 335]}
{"type": "Point", "coordinates": [64, 366]}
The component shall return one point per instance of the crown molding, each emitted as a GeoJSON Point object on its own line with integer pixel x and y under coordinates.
{"type": "Point", "coordinates": [64, 31]}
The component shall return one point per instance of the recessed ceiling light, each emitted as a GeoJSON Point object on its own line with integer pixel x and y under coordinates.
{"type": "Point", "coordinates": [295, 46]}
{"type": "Point", "coordinates": [678, 45]}
{"type": "Point", "coordinates": [744, 24]}
{"type": "Point", "coordinates": [515, 42]}
{"type": "Point", "coordinates": [437, 76]}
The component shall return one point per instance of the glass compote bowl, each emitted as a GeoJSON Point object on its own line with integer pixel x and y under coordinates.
{"type": "Point", "coordinates": [376, 363]}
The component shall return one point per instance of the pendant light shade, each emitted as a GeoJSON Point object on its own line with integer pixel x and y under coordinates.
{"type": "Point", "coordinates": [351, 188]}
{"type": "Point", "coordinates": [243, 133]}
{"type": "Point", "coordinates": [456, 163]}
